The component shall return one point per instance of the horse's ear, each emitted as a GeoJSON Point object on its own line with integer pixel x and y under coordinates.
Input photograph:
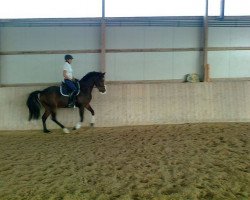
{"type": "Point", "coordinates": [103, 73]}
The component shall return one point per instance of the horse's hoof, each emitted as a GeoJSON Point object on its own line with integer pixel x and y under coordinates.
{"type": "Point", "coordinates": [46, 131]}
{"type": "Point", "coordinates": [78, 126]}
{"type": "Point", "coordinates": [65, 130]}
{"type": "Point", "coordinates": [92, 124]}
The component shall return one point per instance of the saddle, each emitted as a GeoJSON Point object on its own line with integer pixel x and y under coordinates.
{"type": "Point", "coordinates": [66, 91]}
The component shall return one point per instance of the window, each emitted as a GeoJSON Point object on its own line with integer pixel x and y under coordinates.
{"type": "Point", "coordinates": [214, 7]}
{"type": "Point", "coordinates": [136, 8]}
{"type": "Point", "coordinates": [50, 8]}
{"type": "Point", "coordinates": [118, 8]}
{"type": "Point", "coordinates": [237, 7]}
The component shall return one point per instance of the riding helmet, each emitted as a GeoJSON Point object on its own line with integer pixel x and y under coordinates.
{"type": "Point", "coordinates": [67, 57]}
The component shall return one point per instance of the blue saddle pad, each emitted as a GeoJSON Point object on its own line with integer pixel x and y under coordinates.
{"type": "Point", "coordinates": [65, 90]}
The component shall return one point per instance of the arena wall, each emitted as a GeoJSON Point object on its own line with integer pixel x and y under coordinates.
{"type": "Point", "coordinates": [37, 52]}
{"type": "Point", "coordinates": [140, 104]}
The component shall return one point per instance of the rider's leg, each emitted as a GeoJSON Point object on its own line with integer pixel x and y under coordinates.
{"type": "Point", "coordinates": [72, 96]}
{"type": "Point", "coordinates": [72, 99]}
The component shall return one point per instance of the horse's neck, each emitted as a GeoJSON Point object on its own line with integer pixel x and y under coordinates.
{"type": "Point", "coordinates": [86, 90]}
{"type": "Point", "coordinates": [86, 87]}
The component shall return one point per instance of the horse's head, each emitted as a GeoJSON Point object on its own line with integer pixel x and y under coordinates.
{"type": "Point", "coordinates": [93, 79]}
{"type": "Point", "coordinates": [99, 82]}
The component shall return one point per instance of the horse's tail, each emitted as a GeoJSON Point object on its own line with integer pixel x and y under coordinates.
{"type": "Point", "coordinates": [34, 105]}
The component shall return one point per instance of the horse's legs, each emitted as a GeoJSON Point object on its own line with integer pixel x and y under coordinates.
{"type": "Point", "coordinates": [81, 112]}
{"type": "Point", "coordinates": [44, 117]}
{"type": "Point", "coordinates": [53, 117]}
{"type": "Point", "coordinates": [90, 109]}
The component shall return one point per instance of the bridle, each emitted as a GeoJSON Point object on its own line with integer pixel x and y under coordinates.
{"type": "Point", "coordinates": [101, 88]}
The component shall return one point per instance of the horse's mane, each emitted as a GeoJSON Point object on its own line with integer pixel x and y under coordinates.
{"type": "Point", "coordinates": [90, 75]}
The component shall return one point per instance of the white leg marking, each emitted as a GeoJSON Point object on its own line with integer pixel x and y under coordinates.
{"type": "Point", "coordinates": [78, 125]}
{"type": "Point", "coordinates": [65, 130]}
{"type": "Point", "coordinates": [92, 119]}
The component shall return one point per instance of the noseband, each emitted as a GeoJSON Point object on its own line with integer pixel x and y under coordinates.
{"type": "Point", "coordinates": [101, 87]}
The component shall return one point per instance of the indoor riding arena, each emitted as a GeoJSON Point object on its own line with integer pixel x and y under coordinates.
{"type": "Point", "coordinates": [174, 123]}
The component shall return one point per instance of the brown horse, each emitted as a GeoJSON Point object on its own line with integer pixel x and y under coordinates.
{"type": "Point", "coordinates": [51, 99]}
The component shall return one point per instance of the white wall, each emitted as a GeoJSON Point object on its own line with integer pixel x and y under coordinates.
{"type": "Point", "coordinates": [17, 69]}
{"type": "Point", "coordinates": [49, 38]}
{"type": "Point", "coordinates": [129, 104]}
{"type": "Point", "coordinates": [140, 104]}
{"type": "Point", "coordinates": [152, 65]}
{"type": "Point", "coordinates": [229, 64]}
{"type": "Point", "coordinates": [46, 68]}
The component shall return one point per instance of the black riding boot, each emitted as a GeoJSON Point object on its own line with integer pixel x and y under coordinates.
{"type": "Point", "coordinates": [72, 99]}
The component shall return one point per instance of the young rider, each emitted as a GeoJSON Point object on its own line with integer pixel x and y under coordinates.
{"type": "Point", "coordinates": [69, 79]}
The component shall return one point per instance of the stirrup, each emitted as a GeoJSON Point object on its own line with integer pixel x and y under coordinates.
{"type": "Point", "coordinates": [71, 105]}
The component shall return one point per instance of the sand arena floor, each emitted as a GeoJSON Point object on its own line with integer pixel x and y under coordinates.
{"type": "Point", "coordinates": [159, 162]}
